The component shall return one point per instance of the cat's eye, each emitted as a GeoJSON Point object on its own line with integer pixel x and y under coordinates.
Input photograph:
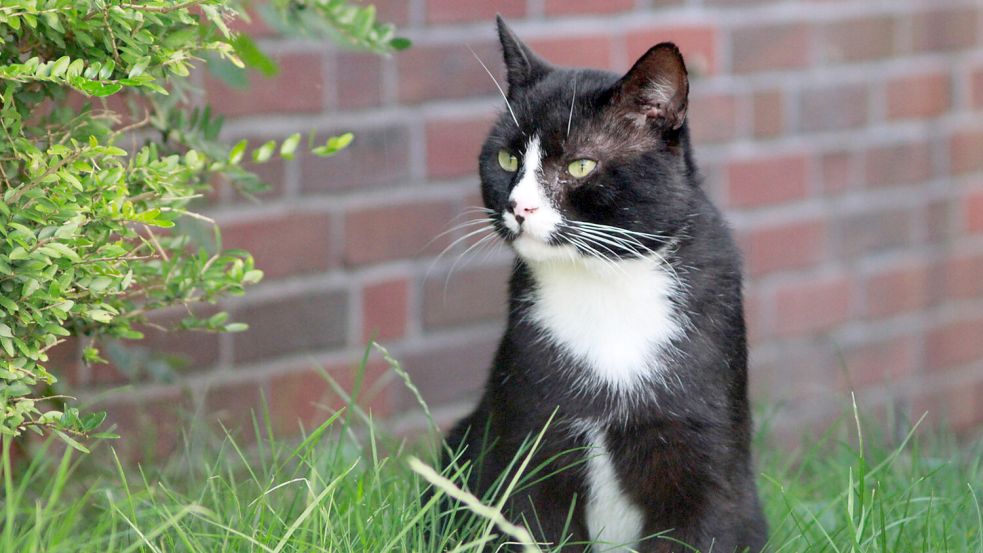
{"type": "Point", "coordinates": [508, 161]}
{"type": "Point", "coordinates": [581, 168]}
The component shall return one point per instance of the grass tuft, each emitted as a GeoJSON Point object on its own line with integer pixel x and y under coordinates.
{"type": "Point", "coordinates": [347, 486]}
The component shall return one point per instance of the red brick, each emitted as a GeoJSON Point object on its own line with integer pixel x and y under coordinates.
{"type": "Point", "coordinates": [976, 89]}
{"type": "Point", "coordinates": [445, 373]}
{"type": "Point", "coordinates": [918, 96]}
{"type": "Point", "coordinates": [377, 157]}
{"type": "Point", "coordinates": [898, 164]}
{"type": "Point", "coordinates": [186, 349]}
{"type": "Point", "coordinates": [65, 361]}
{"type": "Point", "coordinates": [712, 118]}
{"type": "Point", "coordinates": [285, 244]}
{"type": "Point", "coordinates": [776, 247]}
{"type": "Point", "coordinates": [568, 7]}
{"type": "Point", "coordinates": [297, 88]}
{"type": "Point", "coordinates": [858, 39]}
{"type": "Point", "coordinates": [964, 152]}
{"type": "Point", "coordinates": [698, 44]}
{"type": "Point", "coordinates": [291, 324]}
{"type": "Point", "coordinates": [973, 213]}
{"type": "Point", "coordinates": [594, 51]}
{"type": "Point", "coordinates": [897, 290]}
{"type": "Point", "coordinates": [304, 398]}
{"type": "Point", "coordinates": [434, 71]}
{"type": "Point", "coordinates": [385, 309]}
{"type": "Point", "coordinates": [939, 218]}
{"type": "Point", "coordinates": [454, 11]}
{"type": "Point", "coordinates": [874, 230]}
{"type": "Point", "coordinates": [812, 374]}
{"type": "Point", "coordinates": [763, 181]}
{"type": "Point", "coordinates": [756, 309]}
{"type": "Point", "coordinates": [768, 108]}
{"type": "Point", "coordinates": [836, 170]}
{"type": "Point", "coordinates": [271, 173]}
{"type": "Point", "coordinates": [383, 233]}
{"type": "Point", "coordinates": [453, 146]}
{"type": "Point", "coordinates": [812, 306]}
{"type": "Point", "coordinates": [396, 12]}
{"type": "Point", "coordinates": [771, 47]}
{"type": "Point", "coordinates": [234, 404]}
{"type": "Point", "coordinates": [833, 107]}
{"type": "Point", "coordinates": [954, 343]}
{"type": "Point", "coordinates": [955, 406]}
{"type": "Point", "coordinates": [358, 80]}
{"type": "Point", "coordinates": [961, 277]}
{"type": "Point", "coordinates": [471, 294]}
{"type": "Point", "coordinates": [944, 29]}
{"type": "Point", "coordinates": [886, 361]}
{"type": "Point", "coordinates": [150, 427]}
{"type": "Point", "coordinates": [735, 3]}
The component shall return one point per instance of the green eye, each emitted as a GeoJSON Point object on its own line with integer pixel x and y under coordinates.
{"type": "Point", "coordinates": [581, 168]}
{"type": "Point", "coordinates": [508, 161]}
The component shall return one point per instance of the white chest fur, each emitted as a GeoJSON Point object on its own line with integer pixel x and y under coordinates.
{"type": "Point", "coordinates": [616, 319]}
{"type": "Point", "coordinates": [613, 521]}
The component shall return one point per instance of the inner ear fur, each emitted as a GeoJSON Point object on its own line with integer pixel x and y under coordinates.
{"type": "Point", "coordinates": [656, 88]}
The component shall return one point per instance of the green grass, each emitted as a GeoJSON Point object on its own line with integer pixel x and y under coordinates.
{"type": "Point", "coordinates": [347, 487]}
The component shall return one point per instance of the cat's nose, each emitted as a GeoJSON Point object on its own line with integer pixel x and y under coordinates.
{"type": "Point", "coordinates": [521, 212]}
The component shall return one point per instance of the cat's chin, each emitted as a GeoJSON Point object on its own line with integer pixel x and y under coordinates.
{"type": "Point", "coordinates": [531, 248]}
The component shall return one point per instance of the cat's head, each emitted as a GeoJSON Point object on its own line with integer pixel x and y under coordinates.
{"type": "Point", "coordinates": [589, 163]}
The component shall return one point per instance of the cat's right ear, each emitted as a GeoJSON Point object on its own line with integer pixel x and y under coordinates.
{"type": "Point", "coordinates": [656, 88]}
{"type": "Point", "coordinates": [522, 66]}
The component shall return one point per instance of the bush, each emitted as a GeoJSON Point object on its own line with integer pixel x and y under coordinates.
{"type": "Point", "coordinates": [98, 232]}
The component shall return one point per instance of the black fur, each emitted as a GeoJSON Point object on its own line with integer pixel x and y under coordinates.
{"type": "Point", "coordinates": [681, 451]}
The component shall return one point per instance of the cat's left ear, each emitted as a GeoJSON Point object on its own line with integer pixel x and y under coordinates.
{"type": "Point", "coordinates": [523, 67]}
{"type": "Point", "coordinates": [656, 88]}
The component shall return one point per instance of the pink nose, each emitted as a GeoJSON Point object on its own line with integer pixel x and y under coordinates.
{"type": "Point", "coordinates": [521, 211]}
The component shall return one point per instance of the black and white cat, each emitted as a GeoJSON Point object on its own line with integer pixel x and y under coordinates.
{"type": "Point", "coordinates": [625, 317]}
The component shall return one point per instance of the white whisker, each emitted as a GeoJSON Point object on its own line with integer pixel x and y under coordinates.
{"type": "Point", "coordinates": [449, 247]}
{"type": "Point", "coordinates": [483, 241]}
{"type": "Point", "coordinates": [572, 102]}
{"type": "Point", "coordinates": [498, 86]}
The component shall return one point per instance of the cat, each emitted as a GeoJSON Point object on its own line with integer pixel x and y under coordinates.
{"type": "Point", "coordinates": [625, 327]}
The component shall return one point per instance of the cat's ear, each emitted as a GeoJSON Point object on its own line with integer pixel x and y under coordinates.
{"type": "Point", "coordinates": [522, 66]}
{"type": "Point", "coordinates": [655, 88]}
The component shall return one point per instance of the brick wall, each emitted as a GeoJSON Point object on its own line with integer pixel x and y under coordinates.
{"type": "Point", "coordinates": [844, 138]}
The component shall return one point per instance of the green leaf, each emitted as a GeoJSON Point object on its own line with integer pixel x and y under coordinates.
{"type": "Point", "coordinates": [252, 56]}
{"type": "Point", "coordinates": [60, 66]}
{"type": "Point", "coordinates": [363, 21]}
{"type": "Point", "coordinates": [236, 327]}
{"type": "Point", "coordinates": [100, 315]}
{"type": "Point", "coordinates": [400, 43]}
{"type": "Point", "coordinates": [71, 441]}
{"type": "Point", "coordinates": [8, 346]}
{"type": "Point", "coordinates": [289, 146]}
{"type": "Point", "coordinates": [17, 254]}
{"type": "Point", "coordinates": [264, 152]}
{"type": "Point", "coordinates": [75, 68]}
{"type": "Point", "coordinates": [235, 155]}
{"type": "Point", "coordinates": [334, 145]}
{"type": "Point", "coordinates": [5, 331]}
{"type": "Point", "coordinates": [64, 251]}
{"type": "Point", "coordinates": [8, 304]}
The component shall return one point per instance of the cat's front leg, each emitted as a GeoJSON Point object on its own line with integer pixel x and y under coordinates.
{"type": "Point", "coordinates": [552, 519]}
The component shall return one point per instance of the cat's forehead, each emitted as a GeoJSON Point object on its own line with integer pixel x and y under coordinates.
{"type": "Point", "coordinates": [569, 113]}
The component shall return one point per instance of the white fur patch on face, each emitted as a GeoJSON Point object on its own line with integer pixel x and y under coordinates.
{"type": "Point", "coordinates": [540, 224]}
{"type": "Point", "coordinates": [616, 317]}
{"type": "Point", "coordinates": [612, 519]}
